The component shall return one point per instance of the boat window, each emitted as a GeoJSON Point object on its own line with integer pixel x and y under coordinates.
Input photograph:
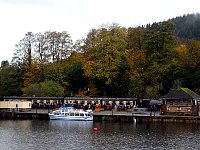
{"type": "Point", "coordinates": [56, 113]}
{"type": "Point", "coordinates": [81, 114]}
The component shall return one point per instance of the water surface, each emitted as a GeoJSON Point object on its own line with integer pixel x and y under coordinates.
{"type": "Point", "coordinates": [79, 135]}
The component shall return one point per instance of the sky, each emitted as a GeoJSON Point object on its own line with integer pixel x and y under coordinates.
{"type": "Point", "coordinates": [78, 17]}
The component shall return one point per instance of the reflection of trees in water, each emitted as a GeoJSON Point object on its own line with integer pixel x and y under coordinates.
{"type": "Point", "coordinates": [177, 128]}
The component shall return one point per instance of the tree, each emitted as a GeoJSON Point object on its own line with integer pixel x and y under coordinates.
{"type": "Point", "coordinates": [5, 63]}
{"type": "Point", "coordinates": [187, 26]}
{"type": "Point", "coordinates": [189, 61]}
{"type": "Point", "coordinates": [135, 38]}
{"type": "Point", "coordinates": [40, 48]}
{"type": "Point", "coordinates": [160, 43]}
{"type": "Point", "coordinates": [136, 59]}
{"type": "Point", "coordinates": [48, 47]}
{"type": "Point", "coordinates": [11, 80]}
{"type": "Point", "coordinates": [191, 58]}
{"type": "Point", "coordinates": [59, 46]}
{"type": "Point", "coordinates": [103, 50]}
{"type": "Point", "coordinates": [46, 88]}
{"type": "Point", "coordinates": [74, 78]}
{"type": "Point", "coordinates": [23, 51]}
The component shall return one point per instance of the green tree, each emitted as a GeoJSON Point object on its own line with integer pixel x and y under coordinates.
{"type": "Point", "coordinates": [5, 63]}
{"type": "Point", "coordinates": [74, 75]}
{"type": "Point", "coordinates": [160, 43]}
{"type": "Point", "coordinates": [11, 80]}
{"type": "Point", "coordinates": [46, 88]}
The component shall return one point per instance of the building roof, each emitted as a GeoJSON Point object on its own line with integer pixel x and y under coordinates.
{"type": "Point", "coordinates": [69, 98]}
{"type": "Point", "coordinates": [182, 93]}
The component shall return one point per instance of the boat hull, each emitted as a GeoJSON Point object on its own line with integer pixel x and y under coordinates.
{"type": "Point", "coordinates": [70, 118]}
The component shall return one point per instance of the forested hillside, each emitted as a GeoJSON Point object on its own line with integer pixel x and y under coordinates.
{"type": "Point", "coordinates": [112, 61]}
{"type": "Point", "coordinates": [187, 26]}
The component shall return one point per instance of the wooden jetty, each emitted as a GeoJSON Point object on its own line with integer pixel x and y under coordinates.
{"type": "Point", "coordinates": [123, 116]}
{"type": "Point", "coordinates": [31, 114]}
{"type": "Point", "coordinates": [116, 116]}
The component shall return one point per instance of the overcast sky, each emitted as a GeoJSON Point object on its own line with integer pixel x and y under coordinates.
{"type": "Point", "coordinates": [77, 17]}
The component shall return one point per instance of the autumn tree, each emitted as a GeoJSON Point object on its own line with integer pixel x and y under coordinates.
{"type": "Point", "coordinates": [136, 59]}
{"type": "Point", "coordinates": [103, 49]}
{"type": "Point", "coordinates": [189, 61]}
{"type": "Point", "coordinates": [37, 49]}
{"type": "Point", "coordinates": [112, 61]}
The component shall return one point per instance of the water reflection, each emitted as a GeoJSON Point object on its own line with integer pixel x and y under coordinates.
{"type": "Point", "coordinates": [62, 135]}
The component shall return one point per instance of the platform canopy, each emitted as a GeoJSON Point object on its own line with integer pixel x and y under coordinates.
{"type": "Point", "coordinates": [155, 102]}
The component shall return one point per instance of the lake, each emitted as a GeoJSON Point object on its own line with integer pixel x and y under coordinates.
{"type": "Point", "coordinates": [72, 135]}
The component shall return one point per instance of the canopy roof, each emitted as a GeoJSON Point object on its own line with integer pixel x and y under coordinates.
{"type": "Point", "coordinates": [155, 102]}
{"type": "Point", "coordinates": [182, 93]}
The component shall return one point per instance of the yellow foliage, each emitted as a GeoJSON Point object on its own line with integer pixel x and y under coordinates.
{"type": "Point", "coordinates": [136, 57]}
{"type": "Point", "coordinates": [181, 49]}
{"type": "Point", "coordinates": [29, 74]}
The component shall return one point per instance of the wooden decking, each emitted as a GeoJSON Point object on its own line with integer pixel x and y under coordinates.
{"type": "Point", "coordinates": [117, 116]}
{"type": "Point", "coordinates": [124, 116]}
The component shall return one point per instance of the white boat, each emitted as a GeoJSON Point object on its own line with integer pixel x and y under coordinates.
{"type": "Point", "coordinates": [69, 113]}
